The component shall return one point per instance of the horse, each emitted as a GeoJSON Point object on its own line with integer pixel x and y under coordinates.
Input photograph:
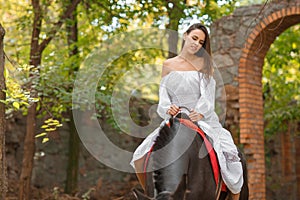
{"type": "Point", "coordinates": [178, 167]}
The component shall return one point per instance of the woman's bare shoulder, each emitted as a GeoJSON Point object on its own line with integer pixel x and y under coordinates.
{"type": "Point", "coordinates": [170, 62]}
{"type": "Point", "coordinates": [169, 65]}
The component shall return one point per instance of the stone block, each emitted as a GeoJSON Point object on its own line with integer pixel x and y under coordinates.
{"type": "Point", "coordinates": [235, 54]}
{"type": "Point", "coordinates": [223, 60]}
{"type": "Point", "coordinates": [226, 42]}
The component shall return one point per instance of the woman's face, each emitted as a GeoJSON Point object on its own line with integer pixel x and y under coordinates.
{"type": "Point", "coordinates": [194, 41]}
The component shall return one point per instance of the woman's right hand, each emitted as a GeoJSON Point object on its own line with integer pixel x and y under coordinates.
{"type": "Point", "coordinates": [173, 110]}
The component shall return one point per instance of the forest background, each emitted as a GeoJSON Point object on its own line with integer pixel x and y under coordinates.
{"type": "Point", "coordinates": [45, 44]}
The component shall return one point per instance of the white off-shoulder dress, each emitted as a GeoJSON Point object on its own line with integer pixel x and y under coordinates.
{"type": "Point", "coordinates": [193, 90]}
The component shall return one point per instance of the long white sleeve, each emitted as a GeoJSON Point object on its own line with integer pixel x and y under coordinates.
{"type": "Point", "coordinates": [164, 100]}
{"type": "Point", "coordinates": [206, 104]}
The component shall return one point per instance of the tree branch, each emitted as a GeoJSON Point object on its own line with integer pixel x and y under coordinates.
{"type": "Point", "coordinates": [36, 30]}
{"type": "Point", "coordinates": [58, 24]}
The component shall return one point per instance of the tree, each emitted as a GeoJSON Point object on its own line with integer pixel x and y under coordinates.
{"type": "Point", "coordinates": [74, 141]}
{"type": "Point", "coordinates": [175, 13]}
{"type": "Point", "coordinates": [36, 51]}
{"type": "Point", "coordinates": [3, 178]}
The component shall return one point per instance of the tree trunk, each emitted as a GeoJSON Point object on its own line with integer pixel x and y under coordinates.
{"type": "Point", "coordinates": [29, 142]}
{"type": "Point", "coordinates": [74, 141]}
{"type": "Point", "coordinates": [29, 149]}
{"type": "Point", "coordinates": [74, 149]}
{"type": "Point", "coordinates": [36, 51]}
{"type": "Point", "coordinates": [3, 177]}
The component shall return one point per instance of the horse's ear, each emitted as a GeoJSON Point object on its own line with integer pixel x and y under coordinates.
{"type": "Point", "coordinates": [139, 195]}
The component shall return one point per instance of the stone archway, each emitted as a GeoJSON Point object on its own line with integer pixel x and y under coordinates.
{"type": "Point", "coordinates": [239, 44]}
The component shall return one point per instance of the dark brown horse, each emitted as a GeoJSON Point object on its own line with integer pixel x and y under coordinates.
{"type": "Point", "coordinates": [179, 167]}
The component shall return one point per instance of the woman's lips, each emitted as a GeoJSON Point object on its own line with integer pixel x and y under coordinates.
{"type": "Point", "coordinates": [194, 48]}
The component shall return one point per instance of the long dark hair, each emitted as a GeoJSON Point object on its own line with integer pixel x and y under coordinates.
{"type": "Point", "coordinates": [204, 51]}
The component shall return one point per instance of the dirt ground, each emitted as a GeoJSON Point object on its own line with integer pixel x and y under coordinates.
{"type": "Point", "coordinates": [102, 191]}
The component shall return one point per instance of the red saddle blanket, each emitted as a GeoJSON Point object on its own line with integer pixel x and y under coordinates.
{"type": "Point", "coordinates": [212, 154]}
{"type": "Point", "coordinates": [210, 150]}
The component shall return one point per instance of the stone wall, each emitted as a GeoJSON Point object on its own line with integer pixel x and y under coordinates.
{"type": "Point", "coordinates": [239, 44]}
{"type": "Point", "coordinates": [228, 36]}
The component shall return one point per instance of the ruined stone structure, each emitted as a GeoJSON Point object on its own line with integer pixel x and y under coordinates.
{"type": "Point", "coordinates": [239, 44]}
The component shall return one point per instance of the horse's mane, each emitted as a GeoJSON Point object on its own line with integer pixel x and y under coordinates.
{"type": "Point", "coordinates": [167, 133]}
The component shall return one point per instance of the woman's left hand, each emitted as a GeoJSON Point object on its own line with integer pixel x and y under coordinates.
{"type": "Point", "coordinates": [194, 116]}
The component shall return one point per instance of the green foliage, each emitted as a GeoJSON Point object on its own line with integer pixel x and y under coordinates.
{"type": "Point", "coordinates": [216, 9]}
{"type": "Point", "coordinates": [281, 81]}
{"type": "Point", "coordinates": [18, 97]}
{"type": "Point", "coordinates": [98, 21]}
{"type": "Point", "coordinates": [205, 11]}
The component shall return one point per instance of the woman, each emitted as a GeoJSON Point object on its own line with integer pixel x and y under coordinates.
{"type": "Point", "coordinates": [187, 81]}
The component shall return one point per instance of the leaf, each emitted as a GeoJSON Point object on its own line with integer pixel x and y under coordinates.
{"type": "Point", "coordinates": [16, 105]}
{"type": "Point", "coordinates": [45, 140]}
{"type": "Point", "coordinates": [53, 123]}
{"type": "Point", "coordinates": [3, 101]}
{"type": "Point", "coordinates": [44, 126]}
{"type": "Point", "coordinates": [34, 99]}
{"type": "Point", "coordinates": [49, 120]}
{"type": "Point", "coordinates": [25, 103]}
{"type": "Point", "coordinates": [50, 129]}
{"type": "Point", "coordinates": [40, 135]}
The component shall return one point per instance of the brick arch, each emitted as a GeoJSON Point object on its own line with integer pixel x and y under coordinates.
{"type": "Point", "coordinates": [250, 65]}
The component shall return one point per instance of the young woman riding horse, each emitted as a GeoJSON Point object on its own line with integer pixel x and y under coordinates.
{"type": "Point", "coordinates": [184, 165]}
{"type": "Point", "coordinates": [187, 80]}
